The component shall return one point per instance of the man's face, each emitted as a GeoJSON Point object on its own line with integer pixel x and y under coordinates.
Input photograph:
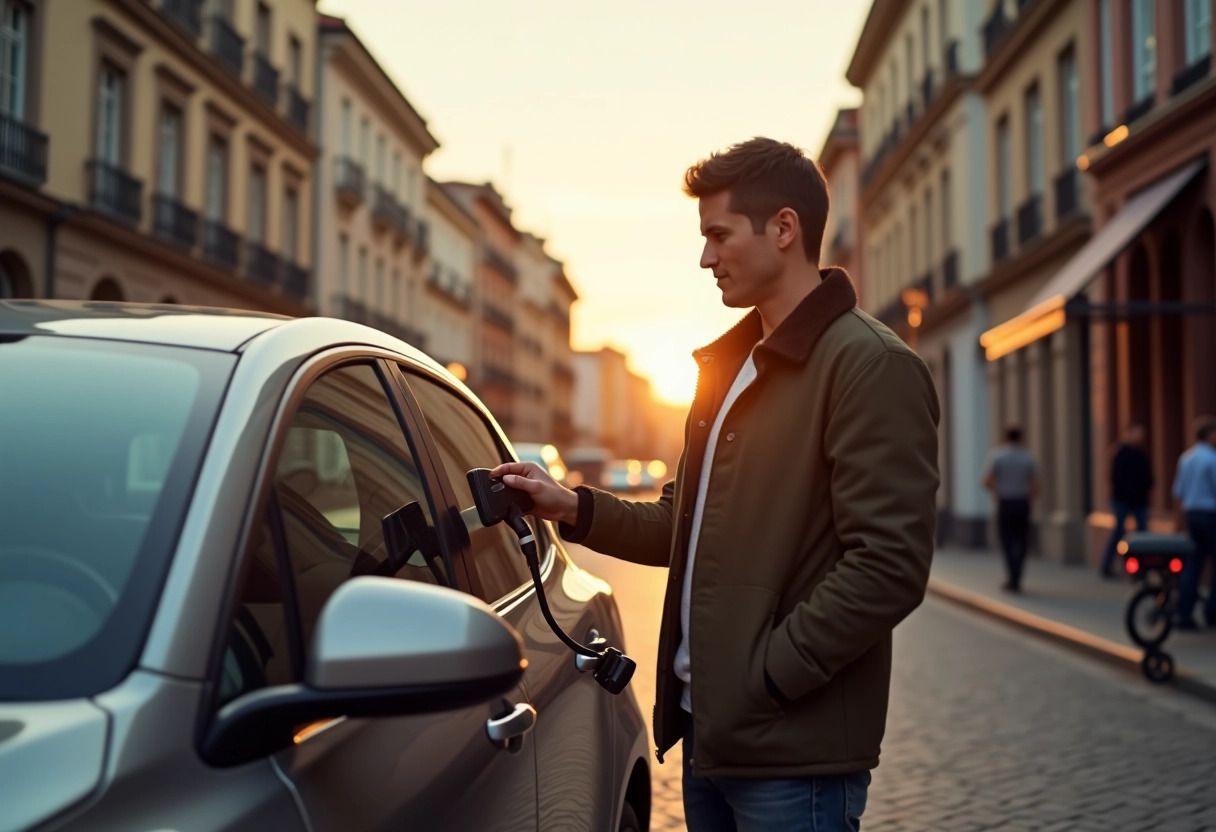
{"type": "Point", "coordinates": [746, 265]}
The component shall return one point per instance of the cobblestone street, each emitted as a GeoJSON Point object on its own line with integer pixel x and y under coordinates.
{"type": "Point", "coordinates": [992, 730]}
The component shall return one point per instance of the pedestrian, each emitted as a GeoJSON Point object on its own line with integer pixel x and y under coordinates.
{"type": "Point", "coordinates": [1012, 477]}
{"type": "Point", "coordinates": [1131, 480]}
{"type": "Point", "coordinates": [799, 527]}
{"type": "Point", "coordinates": [1195, 491]}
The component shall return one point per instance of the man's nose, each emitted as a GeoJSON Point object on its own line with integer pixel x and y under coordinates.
{"type": "Point", "coordinates": [709, 257]}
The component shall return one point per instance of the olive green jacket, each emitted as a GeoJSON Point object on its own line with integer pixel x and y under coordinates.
{"type": "Point", "coordinates": [816, 539]}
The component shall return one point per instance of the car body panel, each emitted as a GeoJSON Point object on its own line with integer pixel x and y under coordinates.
{"type": "Point", "coordinates": [52, 755]}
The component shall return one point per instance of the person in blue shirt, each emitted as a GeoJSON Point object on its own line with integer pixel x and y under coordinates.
{"type": "Point", "coordinates": [1195, 490]}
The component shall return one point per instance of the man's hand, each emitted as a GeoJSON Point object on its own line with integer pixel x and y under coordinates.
{"type": "Point", "coordinates": [552, 500]}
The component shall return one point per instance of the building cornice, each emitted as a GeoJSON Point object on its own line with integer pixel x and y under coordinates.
{"type": "Point", "coordinates": [1182, 111]}
{"type": "Point", "coordinates": [1067, 237]}
{"type": "Point", "coordinates": [439, 197]}
{"type": "Point", "coordinates": [880, 24]}
{"type": "Point", "coordinates": [1027, 27]}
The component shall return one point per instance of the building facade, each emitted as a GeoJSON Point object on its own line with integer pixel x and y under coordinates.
{"type": "Point", "coordinates": [840, 160]}
{"type": "Point", "coordinates": [448, 323]}
{"type": "Point", "coordinates": [158, 151]}
{"type": "Point", "coordinates": [373, 241]}
{"type": "Point", "coordinates": [533, 388]}
{"type": "Point", "coordinates": [493, 375]}
{"type": "Point", "coordinates": [922, 128]}
{"type": "Point", "coordinates": [1139, 298]}
{"type": "Point", "coordinates": [562, 297]}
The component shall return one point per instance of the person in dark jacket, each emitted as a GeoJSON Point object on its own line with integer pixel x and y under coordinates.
{"type": "Point", "coordinates": [1131, 481]}
{"type": "Point", "coordinates": [799, 529]}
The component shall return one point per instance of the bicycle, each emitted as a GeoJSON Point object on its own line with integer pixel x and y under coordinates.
{"type": "Point", "coordinates": [1155, 561]}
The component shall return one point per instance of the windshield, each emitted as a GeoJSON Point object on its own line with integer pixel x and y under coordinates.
{"type": "Point", "coordinates": [100, 443]}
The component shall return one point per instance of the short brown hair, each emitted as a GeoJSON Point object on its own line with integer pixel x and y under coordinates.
{"type": "Point", "coordinates": [764, 176]}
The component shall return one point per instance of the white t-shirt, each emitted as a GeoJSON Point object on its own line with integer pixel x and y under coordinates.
{"type": "Point", "coordinates": [683, 664]}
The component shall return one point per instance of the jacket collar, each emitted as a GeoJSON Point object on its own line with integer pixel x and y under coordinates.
{"type": "Point", "coordinates": [797, 335]}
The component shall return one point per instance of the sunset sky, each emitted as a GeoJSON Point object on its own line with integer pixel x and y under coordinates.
{"type": "Point", "coordinates": [586, 115]}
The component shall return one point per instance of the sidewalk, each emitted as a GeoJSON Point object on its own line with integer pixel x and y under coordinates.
{"type": "Point", "coordinates": [1070, 605]}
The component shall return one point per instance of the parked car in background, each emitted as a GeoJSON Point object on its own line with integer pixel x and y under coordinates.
{"type": "Point", "coordinates": [586, 465]}
{"type": "Point", "coordinates": [236, 591]}
{"type": "Point", "coordinates": [546, 456]}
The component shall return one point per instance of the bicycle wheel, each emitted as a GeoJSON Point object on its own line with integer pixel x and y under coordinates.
{"type": "Point", "coordinates": [1148, 619]}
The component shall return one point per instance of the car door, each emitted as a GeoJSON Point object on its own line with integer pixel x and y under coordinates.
{"type": "Point", "coordinates": [349, 496]}
{"type": "Point", "coordinates": [579, 781]}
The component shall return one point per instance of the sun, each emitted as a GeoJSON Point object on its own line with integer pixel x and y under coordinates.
{"type": "Point", "coordinates": [672, 375]}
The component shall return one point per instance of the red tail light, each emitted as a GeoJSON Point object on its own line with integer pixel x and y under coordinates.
{"type": "Point", "coordinates": [1176, 565]}
{"type": "Point", "coordinates": [1133, 566]}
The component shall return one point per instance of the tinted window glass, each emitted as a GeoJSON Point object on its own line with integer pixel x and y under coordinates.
{"type": "Point", "coordinates": [466, 442]}
{"type": "Point", "coordinates": [100, 445]}
{"type": "Point", "coordinates": [351, 495]}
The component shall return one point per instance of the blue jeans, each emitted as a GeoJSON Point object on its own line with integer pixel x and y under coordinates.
{"type": "Point", "coordinates": [1122, 512]}
{"type": "Point", "coordinates": [1201, 525]}
{"type": "Point", "coordinates": [797, 804]}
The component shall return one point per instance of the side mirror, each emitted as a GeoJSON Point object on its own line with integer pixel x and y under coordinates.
{"type": "Point", "coordinates": [382, 647]}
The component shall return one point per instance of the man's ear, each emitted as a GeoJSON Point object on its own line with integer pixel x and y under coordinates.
{"type": "Point", "coordinates": [789, 230]}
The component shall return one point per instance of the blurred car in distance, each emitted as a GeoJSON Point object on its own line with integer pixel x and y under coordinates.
{"type": "Point", "coordinates": [546, 456]}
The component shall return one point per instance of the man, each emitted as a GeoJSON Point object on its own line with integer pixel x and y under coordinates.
{"type": "Point", "coordinates": [1131, 480]}
{"type": "Point", "coordinates": [799, 528]}
{"type": "Point", "coordinates": [1012, 478]}
{"type": "Point", "coordinates": [1195, 490]}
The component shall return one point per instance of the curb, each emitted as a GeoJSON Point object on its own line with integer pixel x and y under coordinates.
{"type": "Point", "coordinates": [1119, 655]}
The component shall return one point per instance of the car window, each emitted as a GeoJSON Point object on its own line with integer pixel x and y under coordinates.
{"type": "Point", "coordinates": [465, 442]}
{"type": "Point", "coordinates": [351, 501]}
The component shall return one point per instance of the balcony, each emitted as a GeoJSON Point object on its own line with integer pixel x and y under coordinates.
{"type": "Point", "coordinates": [499, 377]}
{"type": "Point", "coordinates": [227, 46]}
{"type": "Point", "coordinates": [403, 332]}
{"type": "Point", "coordinates": [114, 192]}
{"type": "Point", "coordinates": [950, 271]}
{"type": "Point", "coordinates": [295, 281]}
{"type": "Point", "coordinates": [457, 290]}
{"type": "Point", "coordinates": [1067, 197]}
{"type": "Point", "coordinates": [951, 59]}
{"type": "Point", "coordinates": [174, 222]}
{"type": "Point", "coordinates": [995, 29]}
{"type": "Point", "coordinates": [22, 151]}
{"type": "Point", "coordinates": [221, 246]}
{"type": "Point", "coordinates": [186, 14]}
{"type": "Point", "coordinates": [1192, 75]}
{"type": "Point", "coordinates": [265, 78]}
{"type": "Point", "coordinates": [261, 264]}
{"type": "Point", "coordinates": [562, 370]}
{"type": "Point", "coordinates": [842, 240]}
{"type": "Point", "coordinates": [1140, 109]}
{"type": "Point", "coordinates": [386, 211]}
{"type": "Point", "coordinates": [298, 108]}
{"type": "Point", "coordinates": [352, 310]}
{"type": "Point", "coordinates": [500, 318]}
{"type": "Point", "coordinates": [348, 178]}
{"type": "Point", "coordinates": [1030, 220]}
{"type": "Point", "coordinates": [501, 265]}
{"type": "Point", "coordinates": [910, 114]}
{"type": "Point", "coordinates": [1000, 241]}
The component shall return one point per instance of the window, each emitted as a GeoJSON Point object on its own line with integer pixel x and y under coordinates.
{"type": "Point", "coordinates": [913, 240]}
{"type": "Point", "coordinates": [910, 58]}
{"type": "Point", "coordinates": [1198, 14]}
{"type": "Point", "coordinates": [1070, 108]}
{"type": "Point", "coordinates": [1034, 142]}
{"type": "Point", "coordinates": [217, 179]}
{"type": "Point", "coordinates": [397, 311]}
{"type": "Point", "coordinates": [261, 31]}
{"type": "Point", "coordinates": [295, 62]}
{"type": "Point", "coordinates": [465, 442]}
{"type": "Point", "coordinates": [924, 39]}
{"type": "Point", "coordinates": [397, 175]}
{"type": "Point", "coordinates": [365, 133]}
{"type": "Point", "coordinates": [363, 275]}
{"type": "Point", "coordinates": [256, 221]}
{"type": "Point", "coordinates": [110, 97]}
{"type": "Point", "coordinates": [929, 241]}
{"type": "Point", "coordinates": [169, 144]}
{"type": "Point", "coordinates": [947, 228]}
{"type": "Point", "coordinates": [378, 297]}
{"type": "Point", "coordinates": [14, 46]}
{"type": "Point", "coordinates": [347, 145]}
{"type": "Point", "coordinates": [1144, 50]}
{"type": "Point", "coordinates": [943, 26]}
{"type": "Point", "coordinates": [289, 247]}
{"type": "Point", "coordinates": [380, 152]}
{"type": "Point", "coordinates": [343, 264]}
{"type": "Point", "coordinates": [350, 501]}
{"type": "Point", "coordinates": [1003, 190]}
{"type": "Point", "coordinates": [1105, 42]}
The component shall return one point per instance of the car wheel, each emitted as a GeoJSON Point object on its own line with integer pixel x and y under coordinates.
{"type": "Point", "coordinates": [629, 820]}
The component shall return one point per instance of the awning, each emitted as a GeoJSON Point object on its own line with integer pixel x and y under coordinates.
{"type": "Point", "coordinates": [1045, 312]}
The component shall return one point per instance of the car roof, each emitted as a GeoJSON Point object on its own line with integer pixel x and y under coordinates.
{"type": "Point", "coordinates": [201, 327]}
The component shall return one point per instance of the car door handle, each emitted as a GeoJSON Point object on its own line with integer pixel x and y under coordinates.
{"type": "Point", "coordinates": [515, 724]}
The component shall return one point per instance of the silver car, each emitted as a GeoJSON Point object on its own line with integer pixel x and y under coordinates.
{"type": "Point", "coordinates": [239, 589]}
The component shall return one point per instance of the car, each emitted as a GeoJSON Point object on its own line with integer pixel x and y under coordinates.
{"type": "Point", "coordinates": [546, 456]}
{"type": "Point", "coordinates": [240, 589]}
{"type": "Point", "coordinates": [623, 475]}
